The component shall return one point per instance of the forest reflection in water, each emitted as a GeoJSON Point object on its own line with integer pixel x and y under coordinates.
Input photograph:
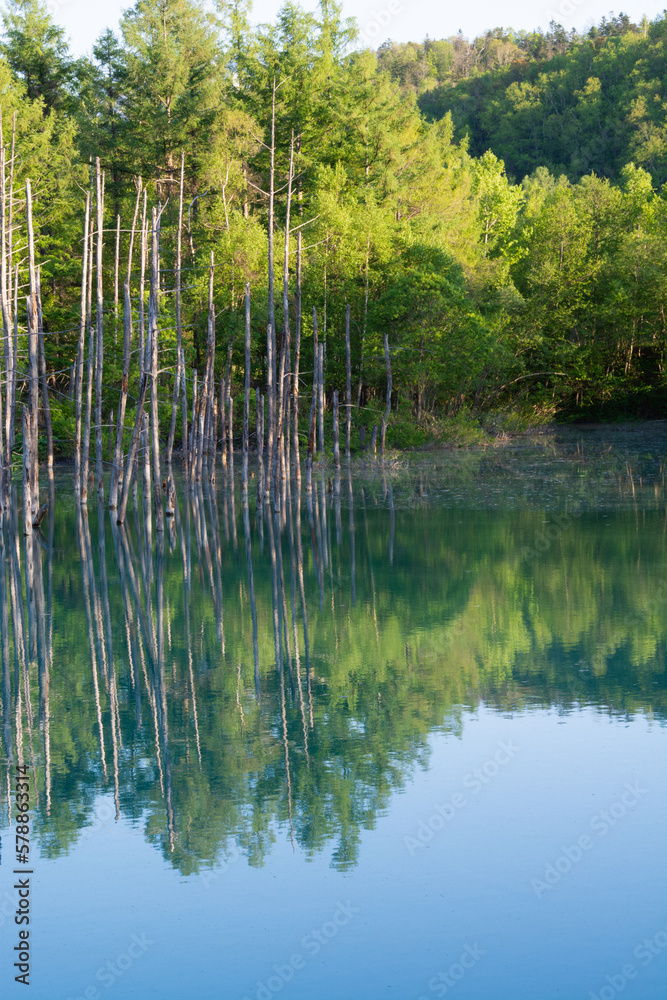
{"type": "Point", "coordinates": [249, 675]}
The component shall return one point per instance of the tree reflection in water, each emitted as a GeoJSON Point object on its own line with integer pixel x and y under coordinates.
{"type": "Point", "coordinates": [222, 693]}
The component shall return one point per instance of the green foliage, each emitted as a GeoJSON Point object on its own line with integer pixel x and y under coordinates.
{"type": "Point", "coordinates": [574, 104]}
{"type": "Point", "coordinates": [549, 293]}
{"type": "Point", "coordinates": [36, 50]}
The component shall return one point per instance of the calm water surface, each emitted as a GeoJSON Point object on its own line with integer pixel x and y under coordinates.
{"type": "Point", "coordinates": [406, 742]}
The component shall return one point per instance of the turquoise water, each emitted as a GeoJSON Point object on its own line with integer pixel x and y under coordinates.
{"type": "Point", "coordinates": [405, 740]}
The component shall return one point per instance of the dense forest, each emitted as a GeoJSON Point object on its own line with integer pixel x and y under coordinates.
{"type": "Point", "coordinates": [495, 207]}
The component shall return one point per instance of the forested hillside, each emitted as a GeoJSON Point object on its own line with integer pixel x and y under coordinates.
{"type": "Point", "coordinates": [495, 206]}
{"type": "Point", "coordinates": [576, 104]}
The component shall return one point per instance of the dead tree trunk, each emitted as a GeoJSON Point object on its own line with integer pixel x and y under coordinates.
{"type": "Point", "coordinates": [99, 332]}
{"type": "Point", "coordinates": [144, 381]}
{"type": "Point", "coordinates": [184, 390]}
{"type": "Point", "coordinates": [297, 359]}
{"type": "Point", "coordinates": [153, 334]}
{"type": "Point", "coordinates": [223, 423]}
{"type": "Point", "coordinates": [348, 384]}
{"type": "Point", "coordinates": [387, 409]}
{"type": "Point", "coordinates": [271, 328]}
{"type": "Point", "coordinates": [260, 447]}
{"type": "Point", "coordinates": [193, 426]}
{"type": "Point", "coordinates": [316, 368]}
{"type": "Point", "coordinates": [179, 235]}
{"type": "Point", "coordinates": [336, 432]}
{"type": "Point", "coordinates": [246, 396]}
{"type": "Point", "coordinates": [312, 423]}
{"type": "Point", "coordinates": [115, 281]}
{"type": "Point", "coordinates": [4, 472]}
{"type": "Point", "coordinates": [10, 268]}
{"type": "Point", "coordinates": [132, 450]}
{"type": "Point", "coordinates": [207, 386]}
{"type": "Point", "coordinates": [146, 448]}
{"type": "Point", "coordinates": [311, 442]}
{"type": "Point", "coordinates": [91, 365]}
{"type": "Point", "coordinates": [285, 347]}
{"type": "Point", "coordinates": [230, 432]}
{"type": "Point", "coordinates": [127, 347]}
{"type": "Point", "coordinates": [12, 422]}
{"type": "Point", "coordinates": [213, 439]}
{"type": "Point", "coordinates": [48, 425]}
{"type": "Point", "coordinates": [78, 390]}
{"type": "Point", "coordinates": [320, 395]}
{"type": "Point", "coordinates": [27, 462]}
{"type": "Point", "coordinates": [33, 350]}
{"type": "Point", "coordinates": [5, 427]}
{"type": "Point", "coordinates": [142, 281]}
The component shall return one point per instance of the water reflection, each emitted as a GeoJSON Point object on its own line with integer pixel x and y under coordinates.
{"type": "Point", "coordinates": [223, 692]}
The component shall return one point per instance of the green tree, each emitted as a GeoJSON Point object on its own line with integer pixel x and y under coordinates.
{"type": "Point", "coordinates": [174, 86]}
{"type": "Point", "coordinates": [36, 49]}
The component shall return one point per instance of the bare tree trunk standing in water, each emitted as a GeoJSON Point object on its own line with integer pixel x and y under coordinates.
{"type": "Point", "coordinates": [279, 452]}
{"type": "Point", "coordinates": [142, 280]}
{"type": "Point", "coordinates": [99, 181]}
{"type": "Point", "coordinates": [200, 425]}
{"type": "Point", "coordinates": [10, 416]}
{"type": "Point", "coordinates": [246, 397]}
{"type": "Point", "coordinates": [260, 446]}
{"type": "Point", "coordinates": [312, 422]}
{"type": "Point", "coordinates": [184, 391]}
{"type": "Point", "coordinates": [27, 459]}
{"type": "Point", "coordinates": [336, 432]}
{"type": "Point", "coordinates": [91, 362]}
{"type": "Point", "coordinates": [320, 395]}
{"type": "Point", "coordinates": [230, 439]}
{"type": "Point", "coordinates": [297, 359]}
{"type": "Point", "coordinates": [153, 335]}
{"type": "Point", "coordinates": [387, 409]}
{"type": "Point", "coordinates": [271, 328]}
{"type": "Point", "coordinates": [179, 372]}
{"type": "Point", "coordinates": [127, 346]}
{"type": "Point", "coordinates": [45, 388]}
{"type": "Point", "coordinates": [116, 266]}
{"type": "Point", "coordinates": [143, 391]}
{"type": "Point", "coordinates": [33, 337]}
{"type": "Point", "coordinates": [348, 384]}
{"type": "Point", "coordinates": [5, 272]}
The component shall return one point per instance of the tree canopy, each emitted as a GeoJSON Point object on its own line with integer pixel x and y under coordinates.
{"type": "Point", "coordinates": [495, 205]}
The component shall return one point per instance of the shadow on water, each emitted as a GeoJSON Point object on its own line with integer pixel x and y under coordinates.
{"type": "Point", "coordinates": [222, 693]}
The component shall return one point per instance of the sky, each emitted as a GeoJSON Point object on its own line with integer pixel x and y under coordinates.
{"type": "Point", "coordinates": [379, 20]}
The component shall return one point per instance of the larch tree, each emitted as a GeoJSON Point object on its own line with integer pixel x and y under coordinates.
{"type": "Point", "coordinates": [174, 89]}
{"type": "Point", "coordinates": [36, 49]}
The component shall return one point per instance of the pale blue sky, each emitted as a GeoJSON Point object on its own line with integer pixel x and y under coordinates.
{"type": "Point", "coordinates": [400, 20]}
